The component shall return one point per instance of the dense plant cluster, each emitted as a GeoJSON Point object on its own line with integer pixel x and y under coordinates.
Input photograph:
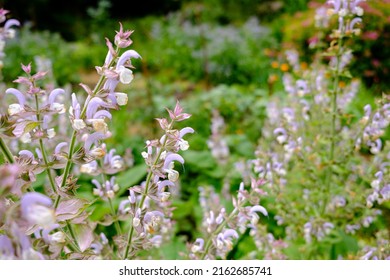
{"type": "Point", "coordinates": [297, 175]}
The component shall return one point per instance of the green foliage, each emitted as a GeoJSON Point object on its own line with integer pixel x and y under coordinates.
{"type": "Point", "coordinates": [29, 45]}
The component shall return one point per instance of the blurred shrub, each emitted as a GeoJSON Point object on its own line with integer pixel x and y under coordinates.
{"type": "Point", "coordinates": [30, 44]}
{"type": "Point", "coordinates": [219, 54]}
{"type": "Point", "coordinates": [372, 55]}
{"type": "Point", "coordinates": [67, 59]}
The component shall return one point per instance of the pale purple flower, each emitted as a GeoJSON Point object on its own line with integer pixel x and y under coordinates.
{"type": "Point", "coordinates": [224, 240]}
{"type": "Point", "coordinates": [122, 39]}
{"type": "Point", "coordinates": [37, 209]}
{"type": "Point", "coordinates": [281, 135]}
{"type": "Point", "coordinates": [198, 245]}
{"type": "Point", "coordinates": [7, 251]}
{"type": "Point", "coordinates": [105, 190]}
{"type": "Point", "coordinates": [152, 221]}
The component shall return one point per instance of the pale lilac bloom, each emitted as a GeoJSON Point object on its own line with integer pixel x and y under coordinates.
{"type": "Point", "coordinates": [198, 245]}
{"type": "Point", "coordinates": [7, 251]}
{"type": "Point", "coordinates": [224, 240]}
{"type": "Point", "coordinates": [37, 209]}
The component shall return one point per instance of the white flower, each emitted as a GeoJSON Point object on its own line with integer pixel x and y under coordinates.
{"type": "Point", "coordinates": [121, 98]}
{"type": "Point", "coordinates": [183, 144]}
{"type": "Point", "coordinates": [117, 163]}
{"type": "Point", "coordinates": [110, 194]}
{"type": "Point", "coordinates": [41, 215]}
{"type": "Point", "coordinates": [136, 222]}
{"type": "Point", "coordinates": [99, 125]}
{"type": "Point", "coordinates": [14, 109]}
{"type": "Point", "coordinates": [97, 152]}
{"type": "Point", "coordinates": [58, 237]}
{"type": "Point", "coordinates": [60, 108]}
{"type": "Point", "coordinates": [173, 175]}
{"type": "Point", "coordinates": [125, 75]}
{"type": "Point", "coordinates": [342, 12]}
{"type": "Point", "coordinates": [78, 124]}
{"type": "Point", "coordinates": [144, 155]}
{"type": "Point", "coordinates": [359, 11]}
{"type": "Point", "coordinates": [88, 168]}
{"type": "Point", "coordinates": [51, 133]}
{"type": "Point", "coordinates": [26, 138]}
{"type": "Point", "coordinates": [116, 188]}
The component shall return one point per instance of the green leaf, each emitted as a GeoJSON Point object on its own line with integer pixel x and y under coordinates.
{"type": "Point", "coordinates": [30, 126]}
{"type": "Point", "coordinates": [131, 177]}
{"type": "Point", "coordinates": [200, 159]}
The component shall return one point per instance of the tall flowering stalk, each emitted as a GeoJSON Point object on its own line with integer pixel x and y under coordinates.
{"type": "Point", "coordinates": [326, 174]}
{"type": "Point", "coordinates": [147, 226]}
{"type": "Point", "coordinates": [32, 119]}
{"type": "Point", "coordinates": [348, 14]}
{"type": "Point", "coordinates": [221, 229]}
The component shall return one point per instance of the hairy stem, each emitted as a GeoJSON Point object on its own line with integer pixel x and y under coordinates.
{"type": "Point", "coordinates": [6, 151]}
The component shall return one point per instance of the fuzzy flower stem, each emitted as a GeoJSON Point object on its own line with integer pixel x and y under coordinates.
{"type": "Point", "coordinates": [216, 232]}
{"type": "Point", "coordinates": [6, 151]}
{"type": "Point", "coordinates": [68, 166]}
{"type": "Point", "coordinates": [141, 202]}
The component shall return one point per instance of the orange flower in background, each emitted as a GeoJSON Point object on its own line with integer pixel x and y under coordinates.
{"type": "Point", "coordinates": [284, 67]}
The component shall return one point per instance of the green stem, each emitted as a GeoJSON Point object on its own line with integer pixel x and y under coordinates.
{"type": "Point", "coordinates": [43, 151]}
{"type": "Point", "coordinates": [74, 241]}
{"type": "Point", "coordinates": [6, 151]}
{"type": "Point", "coordinates": [49, 175]}
{"type": "Point", "coordinates": [116, 223]}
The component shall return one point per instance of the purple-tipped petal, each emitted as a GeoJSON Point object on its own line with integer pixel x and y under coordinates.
{"type": "Point", "coordinates": [163, 184]}
{"type": "Point", "coordinates": [149, 215]}
{"type": "Point", "coordinates": [172, 157]}
{"type": "Point", "coordinates": [102, 114]}
{"type": "Point", "coordinates": [93, 106]}
{"type": "Point", "coordinates": [93, 138]}
{"type": "Point", "coordinates": [126, 56]}
{"type": "Point", "coordinates": [54, 93]}
{"type": "Point", "coordinates": [354, 22]}
{"type": "Point", "coordinates": [280, 130]}
{"type": "Point", "coordinates": [185, 131]}
{"type": "Point", "coordinates": [260, 209]}
{"type": "Point", "coordinates": [27, 154]}
{"type": "Point", "coordinates": [230, 233]}
{"type": "Point", "coordinates": [20, 96]}
{"type": "Point", "coordinates": [61, 145]}
{"type": "Point", "coordinates": [11, 22]}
